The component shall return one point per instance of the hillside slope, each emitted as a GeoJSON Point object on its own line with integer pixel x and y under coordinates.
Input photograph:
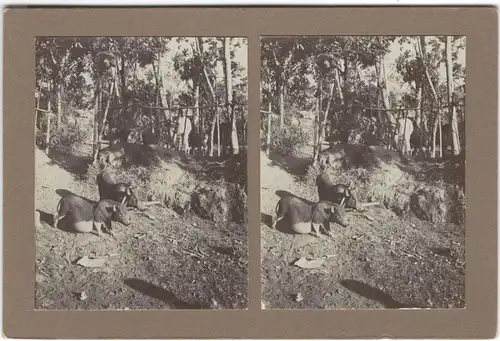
{"type": "Point", "coordinates": [380, 260]}
{"type": "Point", "coordinates": [172, 262]}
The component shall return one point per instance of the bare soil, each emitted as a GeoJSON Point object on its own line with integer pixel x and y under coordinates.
{"type": "Point", "coordinates": [172, 262]}
{"type": "Point", "coordinates": [381, 260]}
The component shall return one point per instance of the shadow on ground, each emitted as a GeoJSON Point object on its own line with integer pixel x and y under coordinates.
{"type": "Point", "coordinates": [373, 294]}
{"type": "Point", "coordinates": [47, 218]}
{"type": "Point", "coordinates": [283, 194]}
{"type": "Point", "coordinates": [161, 294]}
{"type": "Point", "coordinates": [266, 219]}
{"type": "Point", "coordinates": [292, 164]}
{"type": "Point", "coordinates": [77, 165]}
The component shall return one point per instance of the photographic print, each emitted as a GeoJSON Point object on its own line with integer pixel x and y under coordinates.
{"type": "Point", "coordinates": [363, 172]}
{"type": "Point", "coordinates": [141, 185]}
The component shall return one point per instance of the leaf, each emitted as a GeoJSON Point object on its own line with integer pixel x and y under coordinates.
{"type": "Point", "coordinates": [91, 262]}
{"type": "Point", "coordinates": [309, 263]}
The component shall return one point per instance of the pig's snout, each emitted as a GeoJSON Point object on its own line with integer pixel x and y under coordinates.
{"type": "Point", "coordinates": [125, 221]}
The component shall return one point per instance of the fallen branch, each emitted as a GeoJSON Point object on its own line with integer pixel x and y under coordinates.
{"type": "Point", "coordinates": [149, 203]}
{"type": "Point", "coordinates": [368, 204]}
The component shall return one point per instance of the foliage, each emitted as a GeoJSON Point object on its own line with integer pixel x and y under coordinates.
{"type": "Point", "coordinates": [286, 140]}
{"type": "Point", "coordinates": [68, 139]}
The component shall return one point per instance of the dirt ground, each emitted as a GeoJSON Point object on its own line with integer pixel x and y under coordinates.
{"type": "Point", "coordinates": [380, 260]}
{"type": "Point", "coordinates": [171, 262]}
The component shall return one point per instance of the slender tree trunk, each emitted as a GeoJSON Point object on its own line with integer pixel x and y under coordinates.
{"type": "Point", "coordinates": [269, 118]}
{"type": "Point", "coordinates": [37, 106]}
{"type": "Point", "coordinates": [59, 103]}
{"type": "Point", "coordinates": [388, 121]}
{"type": "Point", "coordinates": [123, 78]}
{"type": "Point", "coordinates": [212, 133]}
{"type": "Point", "coordinates": [316, 131]}
{"type": "Point", "coordinates": [339, 87]}
{"type": "Point", "coordinates": [281, 99]}
{"type": "Point", "coordinates": [419, 112]}
{"type": "Point", "coordinates": [327, 111]}
{"type": "Point", "coordinates": [95, 149]}
{"type": "Point", "coordinates": [421, 51]}
{"type": "Point", "coordinates": [230, 95]}
{"type": "Point", "coordinates": [434, 136]}
{"type": "Point", "coordinates": [268, 139]}
{"type": "Point", "coordinates": [105, 116]}
{"type": "Point", "coordinates": [47, 135]}
{"type": "Point", "coordinates": [196, 112]}
{"type": "Point", "coordinates": [156, 72]}
{"type": "Point", "coordinates": [452, 110]}
{"type": "Point", "coordinates": [219, 144]}
{"type": "Point", "coordinates": [347, 87]}
{"type": "Point", "coordinates": [157, 115]}
{"type": "Point", "coordinates": [340, 93]}
{"type": "Point", "coordinates": [440, 127]}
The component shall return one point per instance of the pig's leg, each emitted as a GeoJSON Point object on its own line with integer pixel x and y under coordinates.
{"type": "Point", "coordinates": [109, 226]}
{"type": "Point", "coordinates": [278, 215]}
{"type": "Point", "coordinates": [315, 227]}
{"type": "Point", "coordinates": [98, 227]}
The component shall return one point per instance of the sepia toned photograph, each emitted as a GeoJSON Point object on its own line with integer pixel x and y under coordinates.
{"type": "Point", "coordinates": [140, 173]}
{"type": "Point", "coordinates": [363, 172]}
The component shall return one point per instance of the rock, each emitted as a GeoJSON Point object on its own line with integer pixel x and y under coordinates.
{"type": "Point", "coordinates": [220, 202]}
{"type": "Point", "coordinates": [211, 202]}
{"type": "Point", "coordinates": [431, 204]}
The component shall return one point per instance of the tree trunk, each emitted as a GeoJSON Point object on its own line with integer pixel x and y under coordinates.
{"type": "Point", "coordinates": [316, 132]}
{"type": "Point", "coordinates": [269, 118]}
{"type": "Point", "coordinates": [339, 87]}
{"type": "Point", "coordinates": [327, 111]}
{"type": "Point", "coordinates": [388, 121]}
{"type": "Point", "coordinates": [347, 72]}
{"type": "Point", "coordinates": [105, 116]}
{"type": "Point", "coordinates": [451, 107]}
{"type": "Point", "coordinates": [156, 72]}
{"type": "Point", "coordinates": [234, 131]}
{"type": "Point", "coordinates": [196, 112]}
{"type": "Point", "coordinates": [59, 103]}
{"type": "Point", "coordinates": [212, 133]}
{"type": "Point", "coordinates": [123, 78]}
{"type": "Point", "coordinates": [434, 136]}
{"type": "Point", "coordinates": [440, 127]}
{"type": "Point", "coordinates": [47, 135]}
{"type": "Point", "coordinates": [95, 149]}
{"type": "Point", "coordinates": [268, 138]}
{"type": "Point", "coordinates": [421, 51]}
{"type": "Point", "coordinates": [37, 106]}
{"type": "Point", "coordinates": [230, 95]}
{"type": "Point", "coordinates": [281, 99]}
{"type": "Point", "coordinates": [219, 144]}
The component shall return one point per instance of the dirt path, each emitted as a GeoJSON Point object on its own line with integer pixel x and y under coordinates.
{"type": "Point", "coordinates": [390, 262]}
{"type": "Point", "coordinates": [174, 261]}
